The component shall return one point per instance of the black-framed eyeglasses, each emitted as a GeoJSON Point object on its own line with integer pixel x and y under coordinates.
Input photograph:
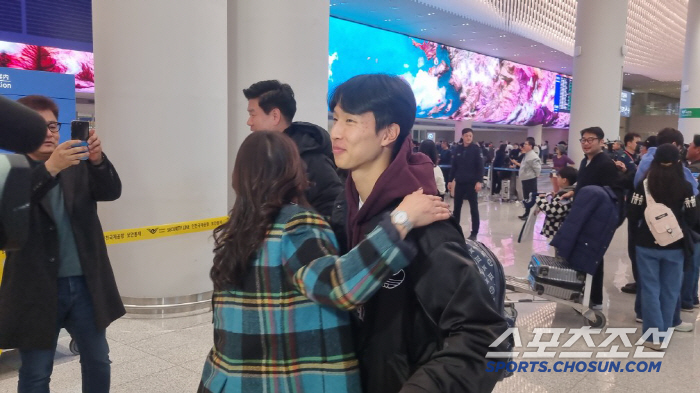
{"type": "Point", "coordinates": [53, 126]}
{"type": "Point", "coordinates": [588, 140]}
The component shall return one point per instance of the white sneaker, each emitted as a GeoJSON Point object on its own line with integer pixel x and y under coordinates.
{"type": "Point", "coordinates": [685, 327]}
{"type": "Point", "coordinates": [638, 320]}
{"type": "Point", "coordinates": [598, 307]}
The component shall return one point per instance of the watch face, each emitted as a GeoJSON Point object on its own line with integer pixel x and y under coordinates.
{"type": "Point", "coordinates": [401, 217]}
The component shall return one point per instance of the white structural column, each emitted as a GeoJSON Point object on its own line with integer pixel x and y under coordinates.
{"type": "Point", "coordinates": [536, 132]}
{"type": "Point", "coordinates": [160, 68]}
{"type": "Point", "coordinates": [598, 61]}
{"type": "Point", "coordinates": [283, 40]}
{"type": "Point", "coordinates": [689, 121]}
{"type": "Point", "coordinates": [460, 125]}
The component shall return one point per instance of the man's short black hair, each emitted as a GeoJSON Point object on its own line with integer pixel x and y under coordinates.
{"type": "Point", "coordinates": [466, 130]}
{"type": "Point", "coordinates": [388, 97]}
{"type": "Point", "coordinates": [669, 135]}
{"type": "Point", "coordinates": [696, 140]}
{"type": "Point", "coordinates": [39, 103]}
{"type": "Point", "coordinates": [273, 94]}
{"type": "Point", "coordinates": [597, 131]}
{"type": "Point", "coordinates": [531, 141]}
{"type": "Point", "coordinates": [629, 137]}
{"type": "Point", "coordinates": [568, 173]}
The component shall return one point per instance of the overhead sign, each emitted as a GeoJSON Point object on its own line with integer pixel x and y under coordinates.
{"type": "Point", "coordinates": [690, 112]}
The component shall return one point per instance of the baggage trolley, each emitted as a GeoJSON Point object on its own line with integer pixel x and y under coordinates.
{"type": "Point", "coordinates": [594, 318]}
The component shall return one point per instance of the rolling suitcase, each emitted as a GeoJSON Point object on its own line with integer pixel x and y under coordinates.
{"type": "Point", "coordinates": [552, 276]}
{"type": "Point", "coordinates": [505, 189]}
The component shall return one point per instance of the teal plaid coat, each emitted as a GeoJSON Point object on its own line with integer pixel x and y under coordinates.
{"type": "Point", "coordinates": [287, 327]}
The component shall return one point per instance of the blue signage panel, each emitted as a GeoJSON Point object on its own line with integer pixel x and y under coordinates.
{"type": "Point", "coordinates": [16, 84]}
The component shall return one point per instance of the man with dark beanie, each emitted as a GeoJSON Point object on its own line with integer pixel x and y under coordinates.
{"type": "Point", "coordinates": [430, 326]}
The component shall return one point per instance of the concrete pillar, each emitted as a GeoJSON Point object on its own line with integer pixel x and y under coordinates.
{"type": "Point", "coordinates": [160, 107]}
{"type": "Point", "coordinates": [689, 119]}
{"type": "Point", "coordinates": [535, 132]}
{"type": "Point", "coordinates": [284, 40]}
{"type": "Point", "coordinates": [598, 60]}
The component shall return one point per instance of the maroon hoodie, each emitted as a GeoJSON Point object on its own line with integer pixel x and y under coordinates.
{"type": "Point", "coordinates": [407, 173]}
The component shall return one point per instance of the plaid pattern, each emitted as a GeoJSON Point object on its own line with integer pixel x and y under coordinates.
{"type": "Point", "coordinates": [269, 337]}
{"type": "Point", "coordinates": [555, 213]}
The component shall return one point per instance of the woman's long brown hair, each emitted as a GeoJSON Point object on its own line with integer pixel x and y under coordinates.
{"type": "Point", "coordinates": [267, 175]}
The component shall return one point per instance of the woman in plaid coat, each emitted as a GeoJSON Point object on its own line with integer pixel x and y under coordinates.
{"type": "Point", "coordinates": [281, 293]}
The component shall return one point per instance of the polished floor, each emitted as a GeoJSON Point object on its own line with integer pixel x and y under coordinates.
{"type": "Point", "coordinates": [166, 355]}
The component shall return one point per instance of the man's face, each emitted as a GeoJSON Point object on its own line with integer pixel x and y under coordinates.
{"type": "Point", "coordinates": [444, 146]}
{"type": "Point", "coordinates": [632, 145]}
{"type": "Point", "coordinates": [258, 120]}
{"type": "Point", "coordinates": [616, 146]}
{"type": "Point", "coordinates": [356, 143]}
{"type": "Point", "coordinates": [526, 147]}
{"type": "Point", "coordinates": [467, 138]}
{"type": "Point", "coordinates": [562, 182]}
{"type": "Point", "coordinates": [693, 152]}
{"type": "Point", "coordinates": [50, 140]}
{"type": "Point", "coordinates": [591, 144]}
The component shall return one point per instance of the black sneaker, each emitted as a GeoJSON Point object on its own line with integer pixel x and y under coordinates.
{"type": "Point", "coordinates": [472, 237]}
{"type": "Point", "coordinates": [523, 217]}
{"type": "Point", "coordinates": [630, 288]}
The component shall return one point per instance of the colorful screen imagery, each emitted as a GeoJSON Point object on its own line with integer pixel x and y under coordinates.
{"type": "Point", "coordinates": [44, 58]}
{"type": "Point", "coordinates": [448, 83]}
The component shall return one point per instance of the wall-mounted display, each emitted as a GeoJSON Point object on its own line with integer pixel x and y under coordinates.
{"type": "Point", "coordinates": [625, 103]}
{"type": "Point", "coordinates": [44, 58]}
{"type": "Point", "coordinates": [449, 83]}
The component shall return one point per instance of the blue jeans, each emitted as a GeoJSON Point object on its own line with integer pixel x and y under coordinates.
{"type": "Point", "coordinates": [75, 313]}
{"type": "Point", "coordinates": [661, 275]}
{"type": "Point", "coordinates": [689, 290]}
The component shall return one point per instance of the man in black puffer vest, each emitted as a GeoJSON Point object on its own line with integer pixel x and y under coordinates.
{"type": "Point", "coordinates": [271, 107]}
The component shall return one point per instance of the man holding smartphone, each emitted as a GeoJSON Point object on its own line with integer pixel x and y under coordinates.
{"type": "Point", "coordinates": [62, 278]}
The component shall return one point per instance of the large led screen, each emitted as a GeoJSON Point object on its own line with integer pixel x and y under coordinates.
{"type": "Point", "coordinates": [44, 58]}
{"type": "Point", "coordinates": [448, 83]}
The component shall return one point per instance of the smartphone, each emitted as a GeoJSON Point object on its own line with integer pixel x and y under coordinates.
{"type": "Point", "coordinates": [80, 130]}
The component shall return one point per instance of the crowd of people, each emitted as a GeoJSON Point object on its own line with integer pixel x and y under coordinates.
{"type": "Point", "coordinates": [341, 267]}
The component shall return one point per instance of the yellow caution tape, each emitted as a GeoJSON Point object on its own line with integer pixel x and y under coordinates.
{"type": "Point", "coordinates": [158, 231]}
{"type": "Point", "coordinates": [152, 232]}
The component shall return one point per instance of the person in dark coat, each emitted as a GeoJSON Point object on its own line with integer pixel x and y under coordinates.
{"type": "Point", "coordinates": [271, 107]}
{"type": "Point", "coordinates": [597, 169]}
{"type": "Point", "coordinates": [499, 161]}
{"type": "Point", "coordinates": [467, 177]}
{"type": "Point", "coordinates": [62, 277]}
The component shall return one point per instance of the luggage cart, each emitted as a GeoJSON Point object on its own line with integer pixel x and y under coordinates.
{"type": "Point", "coordinates": [594, 318]}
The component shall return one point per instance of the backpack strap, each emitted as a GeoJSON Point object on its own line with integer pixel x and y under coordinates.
{"type": "Point", "coordinates": [646, 191]}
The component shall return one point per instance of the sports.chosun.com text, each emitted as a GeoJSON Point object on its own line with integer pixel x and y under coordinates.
{"type": "Point", "coordinates": [575, 366]}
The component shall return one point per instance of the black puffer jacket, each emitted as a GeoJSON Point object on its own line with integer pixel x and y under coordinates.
{"type": "Point", "coordinates": [467, 164]}
{"type": "Point", "coordinates": [314, 145]}
{"type": "Point", "coordinates": [429, 328]}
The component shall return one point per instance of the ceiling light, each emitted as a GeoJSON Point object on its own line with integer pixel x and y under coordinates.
{"type": "Point", "coordinates": [541, 61]}
{"type": "Point", "coordinates": [465, 24]}
{"type": "Point", "coordinates": [533, 45]}
{"type": "Point", "coordinates": [462, 40]}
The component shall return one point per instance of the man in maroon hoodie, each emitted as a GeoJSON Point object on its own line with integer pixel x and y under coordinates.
{"type": "Point", "coordinates": [430, 326]}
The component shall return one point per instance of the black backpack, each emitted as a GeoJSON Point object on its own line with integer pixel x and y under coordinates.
{"type": "Point", "coordinates": [492, 272]}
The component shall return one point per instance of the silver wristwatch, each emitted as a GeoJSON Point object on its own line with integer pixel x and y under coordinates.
{"type": "Point", "coordinates": [399, 217]}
